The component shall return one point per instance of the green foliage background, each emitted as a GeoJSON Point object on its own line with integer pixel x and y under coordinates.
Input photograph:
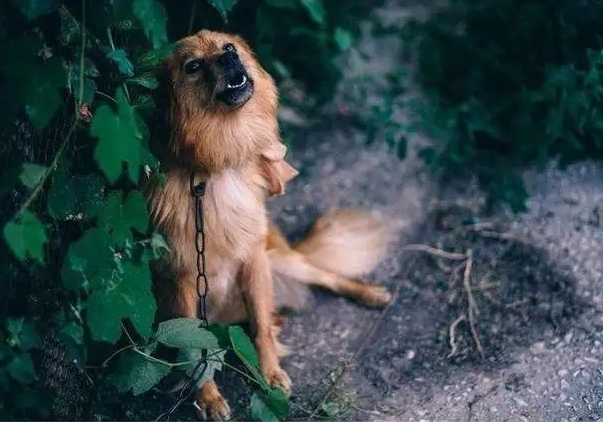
{"type": "Point", "coordinates": [510, 83]}
{"type": "Point", "coordinates": [76, 87]}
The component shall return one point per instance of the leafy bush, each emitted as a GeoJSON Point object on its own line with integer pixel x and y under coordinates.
{"type": "Point", "coordinates": [510, 82]}
{"type": "Point", "coordinates": [76, 86]}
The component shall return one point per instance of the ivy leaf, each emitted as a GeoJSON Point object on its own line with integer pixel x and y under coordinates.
{"type": "Point", "coordinates": [23, 334]}
{"type": "Point", "coordinates": [315, 9]}
{"type": "Point", "coordinates": [146, 80]}
{"type": "Point", "coordinates": [151, 58]}
{"type": "Point", "coordinates": [33, 9]}
{"type": "Point", "coordinates": [223, 6]}
{"type": "Point", "coordinates": [215, 362]}
{"type": "Point", "coordinates": [343, 38]}
{"type": "Point", "coordinates": [74, 331]}
{"type": "Point", "coordinates": [123, 17]}
{"type": "Point", "coordinates": [117, 217]}
{"type": "Point", "coordinates": [119, 139]}
{"type": "Point", "coordinates": [245, 351]}
{"type": "Point", "coordinates": [124, 64]}
{"type": "Point", "coordinates": [153, 19]}
{"type": "Point", "coordinates": [137, 373]}
{"type": "Point", "coordinates": [42, 97]}
{"type": "Point", "coordinates": [21, 369]}
{"type": "Point", "coordinates": [31, 174]}
{"type": "Point", "coordinates": [90, 262]}
{"type": "Point", "coordinates": [75, 197]}
{"type": "Point", "coordinates": [26, 236]}
{"type": "Point", "coordinates": [185, 333]}
{"type": "Point", "coordinates": [148, 249]}
{"type": "Point", "coordinates": [73, 81]}
{"type": "Point", "coordinates": [130, 296]}
{"type": "Point", "coordinates": [271, 405]}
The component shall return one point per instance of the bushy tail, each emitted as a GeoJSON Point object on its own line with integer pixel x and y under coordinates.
{"type": "Point", "coordinates": [347, 242]}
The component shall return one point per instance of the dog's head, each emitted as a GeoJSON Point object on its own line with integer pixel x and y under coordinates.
{"type": "Point", "coordinates": [222, 103]}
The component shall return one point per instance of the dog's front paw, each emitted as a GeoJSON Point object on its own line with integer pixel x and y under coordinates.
{"type": "Point", "coordinates": [277, 377]}
{"type": "Point", "coordinates": [211, 406]}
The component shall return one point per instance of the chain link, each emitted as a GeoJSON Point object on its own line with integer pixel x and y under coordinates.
{"type": "Point", "coordinates": [189, 388]}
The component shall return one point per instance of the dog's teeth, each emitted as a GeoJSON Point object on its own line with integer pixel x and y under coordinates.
{"type": "Point", "coordinates": [243, 80]}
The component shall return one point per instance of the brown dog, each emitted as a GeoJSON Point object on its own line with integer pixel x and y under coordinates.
{"type": "Point", "coordinates": [222, 114]}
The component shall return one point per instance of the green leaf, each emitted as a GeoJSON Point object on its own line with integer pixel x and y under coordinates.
{"type": "Point", "coordinates": [124, 64]}
{"type": "Point", "coordinates": [343, 38]}
{"type": "Point", "coordinates": [21, 369]}
{"type": "Point", "coordinates": [271, 405]}
{"type": "Point", "coordinates": [130, 296]}
{"type": "Point", "coordinates": [33, 9]}
{"type": "Point", "coordinates": [43, 99]}
{"type": "Point", "coordinates": [117, 217]}
{"type": "Point", "coordinates": [74, 197]}
{"type": "Point", "coordinates": [90, 262]}
{"type": "Point", "coordinates": [245, 351]}
{"type": "Point", "coordinates": [153, 19]}
{"type": "Point", "coordinates": [31, 174]}
{"type": "Point", "coordinates": [123, 17]}
{"type": "Point", "coordinates": [223, 7]}
{"type": "Point", "coordinates": [215, 362]}
{"type": "Point", "coordinates": [74, 76]}
{"type": "Point", "coordinates": [315, 9]}
{"type": "Point", "coordinates": [23, 334]}
{"type": "Point", "coordinates": [243, 346]}
{"type": "Point", "coordinates": [150, 59]}
{"type": "Point", "coordinates": [74, 331]}
{"type": "Point", "coordinates": [137, 373]}
{"type": "Point", "coordinates": [186, 333]}
{"type": "Point", "coordinates": [147, 81]}
{"type": "Point", "coordinates": [26, 237]}
{"type": "Point", "coordinates": [282, 4]}
{"type": "Point", "coordinates": [119, 139]}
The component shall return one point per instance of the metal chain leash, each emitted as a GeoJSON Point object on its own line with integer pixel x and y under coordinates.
{"type": "Point", "coordinates": [189, 388]}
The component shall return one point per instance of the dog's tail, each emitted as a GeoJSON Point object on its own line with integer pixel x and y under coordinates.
{"type": "Point", "coordinates": [342, 245]}
{"type": "Point", "coordinates": [347, 242]}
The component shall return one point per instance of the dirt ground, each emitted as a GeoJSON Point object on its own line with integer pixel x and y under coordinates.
{"type": "Point", "coordinates": [512, 333]}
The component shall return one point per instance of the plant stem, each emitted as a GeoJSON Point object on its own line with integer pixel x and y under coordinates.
{"type": "Point", "coordinates": [110, 358]}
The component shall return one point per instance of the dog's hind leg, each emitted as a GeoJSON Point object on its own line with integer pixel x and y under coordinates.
{"type": "Point", "coordinates": [291, 264]}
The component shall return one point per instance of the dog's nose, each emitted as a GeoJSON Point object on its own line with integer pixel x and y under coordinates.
{"type": "Point", "coordinates": [229, 59]}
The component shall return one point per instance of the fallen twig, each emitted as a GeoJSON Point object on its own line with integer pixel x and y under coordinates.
{"type": "Point", "coordinates": [472, 309]}
{"type": "Point", "coordinates": [434, 251]}
{"type": "Point", "coordinates": [452, 334]}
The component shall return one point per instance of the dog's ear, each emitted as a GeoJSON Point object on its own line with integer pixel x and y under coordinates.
{"type": "Point", "coordinates": [277, 174]}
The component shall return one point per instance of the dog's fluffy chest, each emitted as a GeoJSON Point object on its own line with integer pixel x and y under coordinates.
{"type": "Point", "coordinates": [234, 215]}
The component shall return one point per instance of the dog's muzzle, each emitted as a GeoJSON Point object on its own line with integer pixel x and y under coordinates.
{"type": "Point", "coordinates": [237, 85]}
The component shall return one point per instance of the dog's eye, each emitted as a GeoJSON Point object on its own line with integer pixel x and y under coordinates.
{"type": "Point", "coordinates": [192, 66]}
{"type": "Point", "coordinates": [229, 47]}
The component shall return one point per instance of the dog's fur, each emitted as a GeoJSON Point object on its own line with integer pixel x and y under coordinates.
{"type": "Point", "coordinates": [230, 139]}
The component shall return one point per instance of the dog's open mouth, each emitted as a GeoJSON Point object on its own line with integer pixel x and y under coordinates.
{"type": "Point", "coordinates": [238, 89]}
